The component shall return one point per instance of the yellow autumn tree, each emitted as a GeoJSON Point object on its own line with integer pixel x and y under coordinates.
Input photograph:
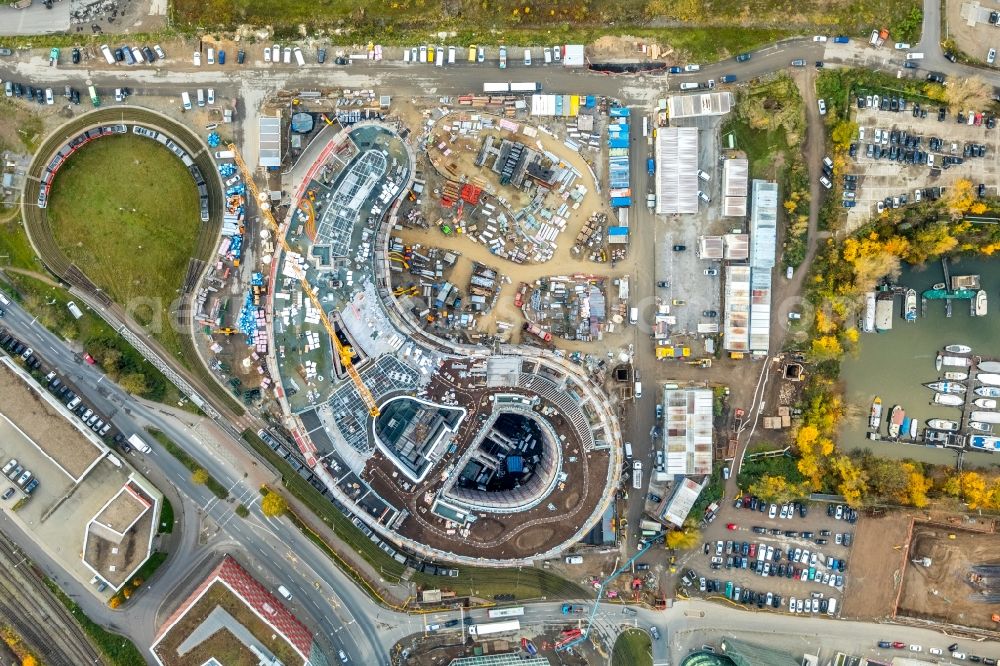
{"type": "Point", "coordinates": [29, 660]}
{"type": "Point", "coordinates": [977, 208]}
{"type": "Point", "coordinates": [917, 486]}
{"type": "Point", "coordinates": [852, 481]}
{"type": "Point", "coordinates": [843, 133]}
{"type": "Point", "coordinates": [682, 539]}
{"type": "Point", "coordinates": [969, 487]}
{"type": "Point", "coordinates": [960, 198]}
{"type": "Point", "coordinates": [273, 505]}
{"type": "Point", "coordinates": [826, 347]}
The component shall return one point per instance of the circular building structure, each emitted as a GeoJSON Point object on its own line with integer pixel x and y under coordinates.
{"type": "Point", "coordinates": [493, 457]}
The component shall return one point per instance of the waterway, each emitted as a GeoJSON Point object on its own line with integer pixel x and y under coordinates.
{"type": "Point", "coordinates": [894, 365]}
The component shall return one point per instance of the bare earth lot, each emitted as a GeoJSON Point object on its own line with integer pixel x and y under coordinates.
{"type": "Point", "coordinates": [942, 592]}
{"type": "Point", "coordinates": [876, 566]}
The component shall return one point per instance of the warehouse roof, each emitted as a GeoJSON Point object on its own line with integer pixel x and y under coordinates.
{"type": "Point", "coordinates": [269, 133]}
{"type": "Point", "coordinates": [676, 170]}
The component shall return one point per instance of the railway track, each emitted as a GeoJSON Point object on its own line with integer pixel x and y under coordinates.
{"type": "Point", "coordinates": [32, 610]}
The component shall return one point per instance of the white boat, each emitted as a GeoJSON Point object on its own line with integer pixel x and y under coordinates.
{"type": "Point", "coordinates": [988, 366]}
{"type": "Point", "coordinates": [981, 303]}
{"type": "Point", "coordinates": [947, 387]}
{"type": "Point", "coordinates": [913, 428]}
{"type": "Point", "coordinates": [988, 391]}
{"type": "Point", "coordinates": [875, 418]}
{"type": "Point", "coordinates": [943, 424]}
{"type": "Point", "coordinates": [896, 417]}
{"type": "Point", "coordinates": [985, 443]}
{"type": "Point", "coordinates": [990, 378]}
{"type": "Point", "coordinates": [938, 362]}
{"type": "Point", "coordinates": [985, 403]}
{"type": "Point", "coordinates": [957, 361]}
{"type": "Point", "coordinates": [868, 323]}
{"type": "Point", "coordinates": [956, 376]}
{"type": "Point", "coordinates": [958, 349]}
{"type": "Point", "coordinates": [985, 417]}
{"type": "Point", "coordinates": [948, 399]}
{"type": "Point", "coordinates": [910, 305]}
{"type": "Point", "coordinates": [979, 426]}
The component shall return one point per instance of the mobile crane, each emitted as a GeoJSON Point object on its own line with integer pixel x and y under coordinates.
{"type": "Point", "coordinates": [345, 352]}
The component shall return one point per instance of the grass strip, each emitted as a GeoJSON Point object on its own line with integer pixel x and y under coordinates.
{"type": "Point", "coordinates": [166, 525]}
{"type": "Point", "coordinates": [211, 482]}
{"type": "Point", "coordinates": [119, 650]}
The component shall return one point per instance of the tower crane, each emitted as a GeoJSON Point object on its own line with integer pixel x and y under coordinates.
{"type": "Point", "coordinates": [345, 352]}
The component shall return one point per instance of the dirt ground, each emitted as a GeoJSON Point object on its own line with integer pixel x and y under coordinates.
{"type": "Point", "coordinates": [943, 592]}
{"type": "Point", "coordinates": [47, 429]}
{"type": "Point", "coordinates": [973, 40]}
{"type": "Point", "coordinates": [876, 566]}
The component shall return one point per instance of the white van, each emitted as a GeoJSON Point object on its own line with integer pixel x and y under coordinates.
{"type": "Point", "coordinates": [451, 55]}
{"type": "Point", "coordinates": [137, 54]}
{"type": "Point", "coordinates": [186, 99]}
{"type": "Point", "coordinates": [527, 57]}
{"type": "Point", "coordinates": [439, 62]}
{"type": "Point", "coordinates": [276, 54]}
{"type": "Point", "coordinates": [690, 85]}
{"type": "Point", "coordinates": [299, 59]}
{"type": "Point", "coordinates": [211, 56]}
{"type": "Point", "coordinates": [704, 175]}
{"type": "Point", "coordinates": [106, 50]}
{"type": "Point", "coordinates": [224, 154]}
{"type": "Point", "coordinates": [574, 559]}
{"type": "Point", "coordinates": [638, 390]}
{"type": "Point", "coordinates": [138, 444]}
{"type": "Point", "coordinates": [628, 450]}
{"type": "Point", "coordinates": [633, 316]}
{"type": "Point", "coordinates": [283, 591]}
{"type": "Point", "coordinates": [831, 609]}
{"type": "Point", "coordinates": [201, 97]}
{"type": "Point", "coordinates": [914, 56]}
{"type": "Point", "coordinates": [4, 299]}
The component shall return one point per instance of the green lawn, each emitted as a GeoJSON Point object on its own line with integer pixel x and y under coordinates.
{"type": "Point", "coordinates": [166, 518]}
{"type": "Point", "coordinates": [634, 647]}
{"type": "Point", "coordinates": [125, 210]}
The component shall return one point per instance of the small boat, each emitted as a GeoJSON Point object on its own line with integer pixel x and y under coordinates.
{"type": "Point", "coordinates": [988, 378]}
{"type": "Point", "coordinates": [875, 420]}
{"type": "Point", "coordinates": [910, 306]}
{"type": "Point", "coordinates": [984, 443]}
{"type": "Point", "coordinates": [985, 417]}
{"type": "Point", "coordinates": [939, 286]}
{"type": "Point", "coordinates": [988, 366]}
{"type": "Point", "coordinates": [935, 437]}
{"type": "Point", "coordinates": [938, 362]}
{"type": "Point", "coordinates": [980, 426]}
{"type": "Point", "coordinates": [988, 391]}
{"type": "Point", "coordinates": [985, 403]}
{"type": "Point", "coordinates": [948, 399]}
{"type": "Point", "coordinates": [957, 361]}
{"type": "Point", "coordinates": [946, 387]}
{"type": "Point", "coordinates": [904, 429]}
{"type": "Point", "coordinates": [895, 420]}
{"type": "Point", "coordinates": [956, 376]}
{"type": "Point", "coordinates": [943, 424]}
{"type": "Point", "coordinates": [913, 428]}
{"type": "Point", "coordinates": [981, 303]}
{"type": "Point", "coordinates": [958, 349]}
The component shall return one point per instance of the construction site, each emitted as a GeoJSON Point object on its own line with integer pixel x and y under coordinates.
{"type": "Point", "coordinates": [952, 576]}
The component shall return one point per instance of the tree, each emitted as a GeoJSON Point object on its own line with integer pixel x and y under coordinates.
{"type": "Point", "coordinates": [887, 479]}
{"type": "Point", "coordinates": [776, 489]}
{"type": "Point", "coordinates": [676, 539]}
{"type": "Point", "coordinates": [916, 487]}
{"type": "Point", "coordinates": [961, 196]}
{"type": "Point", "coordinates": [115, 601]}
{"type": "Point", "coordinates": [134, 383]}
{"type": "Point", "coordinates": [853, 482]}
{"type": "Point", "coordinates": [968, 93]}
{"type": "Point", "coordinates": [843, 133]}
{"type": "Point", "coordinates": [273, 505]}
{"type": "Point", "coordinates": [199, 476]}
{"type": "Point", "coordinates": [29, 660]}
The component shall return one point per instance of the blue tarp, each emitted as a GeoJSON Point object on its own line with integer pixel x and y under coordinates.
{"type": "Point", "coordinates": [619, 112]}
{"type": "Point", "coordinates": [618, 231]}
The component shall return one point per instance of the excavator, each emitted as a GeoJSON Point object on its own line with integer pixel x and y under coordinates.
{"type": "Point", "coordinates": [345, 352]}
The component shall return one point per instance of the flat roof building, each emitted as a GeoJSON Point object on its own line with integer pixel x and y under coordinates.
{"type": "Point", "coordinates": [763, 242]}
{"type": "Point", "coordinates": [700, 104]}
{"type": "Point", "coordinates": [677, 508]}
{"type": "Point", "coordinates": [687, 432]}
{"type": "Point", "coordinates": [736, 313]}
{"type": "Point", "coordinates": [676, 170]}
{"type": "Point", "coordinates": [269, 142]}
{"type": "Point", "coordinates": [119, 539]}
{"type": "Point", "coordinates": [734, 187]}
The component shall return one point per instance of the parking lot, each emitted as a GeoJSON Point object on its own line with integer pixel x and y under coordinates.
{"type": "Point", "coordinates": [891, 146]}
{"type": "Point", "coordinates": [969, 25]}
{"type": "Point", "coordinates": [789, 557]}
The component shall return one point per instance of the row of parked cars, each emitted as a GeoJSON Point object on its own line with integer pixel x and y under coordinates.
{"type": "Point", "coordinates": [953, 649]}
{"type": "Point", "coordinates": [29, 92]}
{"type": "Point", "coordinates": [786, 510]}
{"type": "Point", "coordinates": [766, 560]}
{"type": "Point", "coordinates": [22, 477]}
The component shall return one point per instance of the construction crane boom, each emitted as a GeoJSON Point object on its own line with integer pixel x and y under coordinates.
{"type": "Point", "coordinates": [345, 353]}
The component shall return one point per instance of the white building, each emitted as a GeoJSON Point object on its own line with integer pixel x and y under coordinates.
{"type": "Point", "coordinates": [676, 170]}
{"type": "Point", "coordinates": [763, 241]}
{"type": "Point", "coordinates": [687, 432]}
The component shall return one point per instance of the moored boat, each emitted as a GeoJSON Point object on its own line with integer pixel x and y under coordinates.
{"type": "Point", "coordinates": [958, 349]}
{"type": "Point", "coordinates": [985, 403]}
{"type": "Point", "coordinates": [988, 391]}
{"type": "Point", "coordinates": [957, 361]}
{"type": "Point", "coordinates": [868, 323]}
{"type": "Point", "coordinates": [904, 429]}
{"type": "Point", "coordinates": [914, 424]}
{"type": "Point", "coordinates": [956, 376]}
{"type": "Point", "coordinates": [988, 366]}
{"type": "Point", "coordinates": [895, 420]}
{"type": "Point", "coordinates": [948, 399]}
{"type": "Point", "coordinates": [990, 378]}
{"type": "Point", "coordinates": [938, 361]}
{"type": "Point", "coordinates": [979, 426]}
{"type": "Point", "coordinates": [939, 286]}
{"type": "Point", "coordinates": [981, 303]}
{"type": "Point", "coordinates": [910, 305]}
{"type": "Point", "coordinates": [947, 387]}
{"type": "Point", "coordinates": [985, 417]}
{"type": "Point", "coordinates": [935, 436]}
{"type": "Point", "coordinates": [875, 419]}
{"type": "Point", "coordinates": [985, 443]}
{"type": "Point", "coordinates": [943, 424]}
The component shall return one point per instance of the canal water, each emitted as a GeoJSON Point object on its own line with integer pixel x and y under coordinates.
{"type": "Point", "coordinates": [894, 365]}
